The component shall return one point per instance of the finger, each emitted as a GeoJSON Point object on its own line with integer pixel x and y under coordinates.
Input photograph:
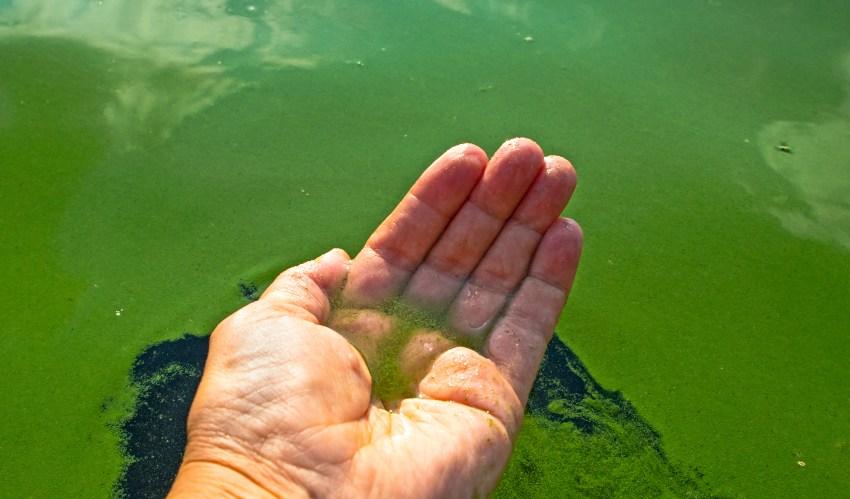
{"type": "Point", "coordinates": [363, 328]}
{"type": "Point", "coordinates": [460, 248]}
{"type": "Point", "coordinates": [304, 291]}
{"type": "Point", "coordinates": [464, 376]}
{"type": "Point", "coordinates": [401, 242]}
{"type": "Point", "coordinates": [506, 262]}
{"type": "Point", "coordinates": [519, 339]}
{"type": "Point", "coordinates": [419, 353]}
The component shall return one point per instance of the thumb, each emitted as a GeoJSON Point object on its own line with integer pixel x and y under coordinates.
{"type": "Point", "coordinates": [305, 290]}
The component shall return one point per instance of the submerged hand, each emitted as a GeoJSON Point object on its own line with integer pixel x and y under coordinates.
{"type": "Point", "coordinates": [286, 405]}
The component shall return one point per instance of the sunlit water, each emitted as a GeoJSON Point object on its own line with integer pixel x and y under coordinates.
{"type": "Point", "coordinates": [154, 155]}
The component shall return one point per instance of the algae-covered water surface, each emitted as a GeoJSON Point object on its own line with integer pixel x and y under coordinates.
{"type": "Point", "coordinates": [161, 161]}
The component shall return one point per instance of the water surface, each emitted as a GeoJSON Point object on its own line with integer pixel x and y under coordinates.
{"type": "Point", "coordinates": [155, 154]}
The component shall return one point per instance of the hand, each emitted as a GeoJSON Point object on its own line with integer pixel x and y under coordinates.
{"type": "Point", "coordinates": [286, 405]}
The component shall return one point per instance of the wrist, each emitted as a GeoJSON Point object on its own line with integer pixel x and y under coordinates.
{"type": "Point", "coordinates": [212, 479]}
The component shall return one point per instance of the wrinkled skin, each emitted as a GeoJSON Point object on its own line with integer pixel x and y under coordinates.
{"type": "Point", "coordinates": [285, 405]}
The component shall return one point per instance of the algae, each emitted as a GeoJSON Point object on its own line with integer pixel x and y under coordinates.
{"type": "Point", "coordinates": [577, 440]}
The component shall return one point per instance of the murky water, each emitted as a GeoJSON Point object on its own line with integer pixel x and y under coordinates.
{"type": "Point", "coordinates": [155, 155]}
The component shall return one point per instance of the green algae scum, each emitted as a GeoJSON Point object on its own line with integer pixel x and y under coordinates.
{"type": "Point", "coordinates": [394, 370]}
{"type": "Point", "coordinates": [159, 158]}
{"type": "Point", "coordinates": [571, 423]}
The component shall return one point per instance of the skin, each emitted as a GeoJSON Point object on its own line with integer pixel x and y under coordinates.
{"type": "Point", "coordinates": [285, 405]}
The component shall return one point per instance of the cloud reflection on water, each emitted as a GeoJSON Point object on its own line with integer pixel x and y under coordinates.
{"type": "Point", "coordinates": [169, 59]}
{"type": "Point", "coordinates": [509, 9]}
{"type": "Point", "coordinates": [818, 168]}
{"type": "Point", "coordinates": [150, 29]}
{"type": "Point", "coordinates": [582, 22]}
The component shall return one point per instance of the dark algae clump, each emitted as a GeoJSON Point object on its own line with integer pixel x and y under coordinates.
{"type": "Point", "coordinates": [581, 440]}
{"type": "Point", "coordinates": [249, 291]}
{"type": "Point", "coordinates": [578, 440]}
{"type": "Point", "coordinates": [166, 376]}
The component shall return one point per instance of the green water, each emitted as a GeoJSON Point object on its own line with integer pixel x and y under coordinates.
{"type": "Point", "coordinates": [155, 154]}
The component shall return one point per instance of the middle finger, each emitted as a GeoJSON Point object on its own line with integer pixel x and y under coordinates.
{"type": "Point", "coordinates": [461, 246]}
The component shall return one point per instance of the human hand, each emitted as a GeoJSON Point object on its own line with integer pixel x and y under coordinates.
{"type": "Point", "coordinates": [475, 254]}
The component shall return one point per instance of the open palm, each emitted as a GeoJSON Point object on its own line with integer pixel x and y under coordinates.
{"type": "Point", "coordinates": [286, 405]}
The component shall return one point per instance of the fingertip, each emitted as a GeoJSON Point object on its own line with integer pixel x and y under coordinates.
{"type": "Point", "coordinates": [445, 185]}
{"type": "Point", "coordinates": [471, 151]}
{"type": "Point", "coordinates": [571, 231]}
{"type": "Point", "coordinates": [563, 169]}
{"type": "Point", "coordinates": [335, 258]}
{"type": "Point", "coordinates": [548, 195]}
{"type": "Point", "coordinates": [508, 176]}
{"type": "Point", "coordinates": [331, 269]}
{"type": "Point", "coordinates": [558, 253]}
{"type": "Point", "coordinates": [339, 254]}
{"type": "Point", "coordinates": [567, 234]}
{"type": "Point", "coordinates": [467, 160]}
{"type": "Point", "coordinates": [526, 149]}
{"type": "Point", "coordinates": [523, 143]}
